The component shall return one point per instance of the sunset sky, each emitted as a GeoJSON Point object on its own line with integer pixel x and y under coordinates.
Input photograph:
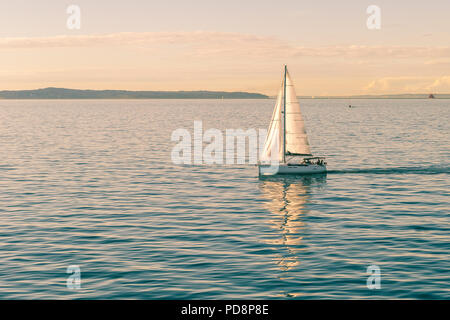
{"type": "Point", "coordinates": [227, 45]}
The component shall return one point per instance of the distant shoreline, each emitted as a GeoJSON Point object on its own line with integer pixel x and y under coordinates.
{"type": "Point", "coordinates": [73, 94]}
{"type": "Point", "coordinates": [372, 98]}
{"type": "Point", "coordinates": [63, 93]}
{"type": "Point", "coordinates": [247, 98]}
{"type": "Point", "coordinates": [383, 96]}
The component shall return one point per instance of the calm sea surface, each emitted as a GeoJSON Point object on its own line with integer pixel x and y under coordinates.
{"type": "Point", "coordinates": [91, 183]}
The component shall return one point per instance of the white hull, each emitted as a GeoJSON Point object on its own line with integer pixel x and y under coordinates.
{"type": "Point", "coordinates": [291, 169]}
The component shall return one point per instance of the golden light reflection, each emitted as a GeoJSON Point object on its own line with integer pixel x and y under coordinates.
{"type": "Point", "coordinates": [287, 199]}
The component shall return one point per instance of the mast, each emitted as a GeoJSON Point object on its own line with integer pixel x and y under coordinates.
{"type": "Point", "coordinates": [284, 115]}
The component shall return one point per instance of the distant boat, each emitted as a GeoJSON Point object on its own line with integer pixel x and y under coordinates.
{"type": "Point", "coordinates": [287, 143]}
{"type": "Point", "coordinates": [431, 96]}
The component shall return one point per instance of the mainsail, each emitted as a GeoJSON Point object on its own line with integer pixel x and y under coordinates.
{"type": "Point", "coordinates": [296, 138]}
{"type": "Point", "coordinates": [286, 133]}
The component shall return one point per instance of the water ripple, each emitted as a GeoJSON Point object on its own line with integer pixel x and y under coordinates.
{"type": "Point", "coordinates": [90, 183]}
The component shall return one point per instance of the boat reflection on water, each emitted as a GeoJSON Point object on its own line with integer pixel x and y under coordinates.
{"type": "Point", "coordinates": [287, 198]}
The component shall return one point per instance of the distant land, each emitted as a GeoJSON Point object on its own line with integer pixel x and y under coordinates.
{"type": "Point", "coordinates": [383, 96]}
{"type": "Point", "coordinates": [62, 93]}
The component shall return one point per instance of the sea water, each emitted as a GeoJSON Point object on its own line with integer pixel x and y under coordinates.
{"type": "Point", "coordinates": [90, 184]}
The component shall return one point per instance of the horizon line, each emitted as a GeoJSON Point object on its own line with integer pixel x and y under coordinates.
{"type": "Point", "coordinates": [228, 95]}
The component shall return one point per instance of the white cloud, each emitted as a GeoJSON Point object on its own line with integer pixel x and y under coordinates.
{"type": "Point", "coordinates": [215, 43]}
{"type": "Point", "coordinates": [438, 62]}
{"type": "Point", "coordinates": [440, 85]}
{"type": "Point", "coordinates": [409, 85]}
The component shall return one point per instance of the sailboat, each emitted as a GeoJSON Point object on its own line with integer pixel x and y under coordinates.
{"type": "Point", "coordinates": [286, 148]}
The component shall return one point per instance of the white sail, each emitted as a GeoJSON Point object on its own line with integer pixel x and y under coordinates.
{"type": "Point", "coordinates": [296, 138]}
{"type": "Point", "coordinates": [273, 147]}
{"type": "Point", "coordinates": [286, 141]}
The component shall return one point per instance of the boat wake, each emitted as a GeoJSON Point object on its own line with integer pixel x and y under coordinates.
{"type": "Point", "coordinates": [395, 170]}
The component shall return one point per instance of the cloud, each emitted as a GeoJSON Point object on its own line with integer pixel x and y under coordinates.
{"type": "Point", "coordinates": [119, 39]}
{"type": "Point", "coordinates": [441, 84]}
{"type": "Point", "coordinates": [360, 51]}
{"type": "Point", "coordinates": [409, 85]}
{"type": "Point", "coordinates": [218, 60]}
{"type": "Point", "coordinates": [215, 43]}
{"type": "Point", "coordinates": [438, 62]}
